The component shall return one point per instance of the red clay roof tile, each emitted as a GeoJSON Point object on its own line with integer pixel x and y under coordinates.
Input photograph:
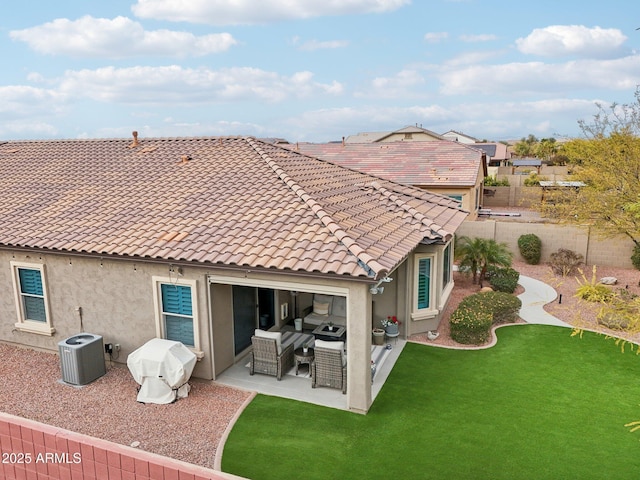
{"type": "Point", "coordinates": [236, 201]}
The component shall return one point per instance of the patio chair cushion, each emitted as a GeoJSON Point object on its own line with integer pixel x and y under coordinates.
{"type": "Point", "coordinates": [339, 307]}
{"type": "Point", "coordinates": [321, 308]}
{"type": "Point", "coordinates": [336, 313]}
{"type": "Point", "coordinates": [277, 336]}
{"type": "Point", "coordinates": [333, 346]}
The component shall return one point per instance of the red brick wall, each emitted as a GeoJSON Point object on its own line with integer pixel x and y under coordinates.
{"type": "Point", "coordinates": [32, 450]}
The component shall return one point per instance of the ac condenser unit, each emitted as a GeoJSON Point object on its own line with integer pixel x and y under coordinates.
{"type": "Point", "coordinates": [82, 358]}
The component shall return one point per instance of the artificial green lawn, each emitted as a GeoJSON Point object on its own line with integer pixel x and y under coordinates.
{"type": "Point", "coordinates": [538, 405]}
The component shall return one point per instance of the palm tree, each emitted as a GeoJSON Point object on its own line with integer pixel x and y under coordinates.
{"type": "Point", "coordinates": [477, 254]}
{"type": "Point", "coordinates": [469, 253]}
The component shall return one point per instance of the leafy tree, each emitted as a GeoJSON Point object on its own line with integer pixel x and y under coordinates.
{"type": "Point", "coordinates": [476, 254]}
{"type": "Point", "coordinates": [526, 147]}
{"type": "Point", "coordinates": [607, 161]}
{"type": "Point", "coordinates": [546, 148]}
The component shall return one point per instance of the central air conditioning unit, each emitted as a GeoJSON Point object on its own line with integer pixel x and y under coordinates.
{"type": "Point", "coordinates": [82, 358]}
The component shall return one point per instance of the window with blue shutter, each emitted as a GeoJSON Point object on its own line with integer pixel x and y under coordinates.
{"type": "Point", "coordinates": [177, 313]}
{"type": "Point", "coordinates": [32, 294]}
{"type": "Point", "coordinates": [424, 283]}
{"type": "Point", "coordinates": [446, 267]}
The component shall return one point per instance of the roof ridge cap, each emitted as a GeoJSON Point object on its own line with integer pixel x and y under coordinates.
{"type": "Point", "coordinates": [424, 220]}
{"type": "Point", "coordinates": [370, 263]}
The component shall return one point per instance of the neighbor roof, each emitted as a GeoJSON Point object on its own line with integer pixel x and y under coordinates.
{"type": "Point", "coordinates": [227, 201]}
{"type": "Point", "coordinates": [427, 164]}
{"type": "Point", "coordinates": [372, 137]}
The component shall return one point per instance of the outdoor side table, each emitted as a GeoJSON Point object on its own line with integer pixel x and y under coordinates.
{"type": "Point", "coordinates": [302, 357]}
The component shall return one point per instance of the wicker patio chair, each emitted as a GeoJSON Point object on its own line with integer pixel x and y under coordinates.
{"type": "Point", "coordinates": [328, 369]}
{"type": "Point", "coordinates": [265, 358]}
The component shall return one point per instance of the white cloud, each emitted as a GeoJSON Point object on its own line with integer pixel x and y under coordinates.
{"type": "Point", "coordinates": [562, 40]}
{"type": "Point", "coordinates": [117, 38]}
{"type": "Point", "coordinates": [312, 45]}
{"type": "Point", "coordinates": [540, 78]}
{"type": "Point", "coordinates": [478, 38]}
{"type": "Point", "coordinates": [26, 129]}
{"type": "Point", "coordinates": [225, 12]}
{"type": "Point", "coordinates": [435, 37]}
{"type": "Point", "coordinates": [184, 86]}
{"type": "Point", "coordinates": [402, 85]}
{"type": "Point", "coordinates": [21, 101]}
{"type": "Point", "coordinates": [471, 58]}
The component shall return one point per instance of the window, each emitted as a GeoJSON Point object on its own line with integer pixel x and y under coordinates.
{"type": "Point", "coordinates": [458, 198]}
{"type": "Point", "coordinates": [425, 284]}
{"type": "Point", "coordinates": [31, 299]}
{"type": "Point", "coordinates": [176, 311]}
{"type": "Point", "coordinates": [446, 266]}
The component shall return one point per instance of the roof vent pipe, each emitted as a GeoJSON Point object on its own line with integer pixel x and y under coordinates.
{"type": "Point", "coordinates": [135, 142]}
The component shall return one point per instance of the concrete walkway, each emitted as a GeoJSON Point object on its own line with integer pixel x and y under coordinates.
{"type": "Point", "coordinates": [536, 295]}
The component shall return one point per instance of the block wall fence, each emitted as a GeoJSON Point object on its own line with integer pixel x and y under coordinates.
{"type": "Point", "coordinates": [596, 251]}
{"type": "Point", "coordinates": [32, 450]}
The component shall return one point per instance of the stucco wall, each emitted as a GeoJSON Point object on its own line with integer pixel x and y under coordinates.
{"type": "Point", "coordinates": [116, 298]}
{"type": "Point", "coordinates": [597, 251]}
{"type": "Point", "coordinates": [512, 196]}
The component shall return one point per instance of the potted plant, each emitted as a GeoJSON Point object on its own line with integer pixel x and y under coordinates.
{"type": "Point", "coordinates": [391, 324]}
{"type": "Point", "coordinates": [378, 336]}
{"type": "Point", "coordinates": [331, 326]}
{"type": "Point", "coordinates": [305, 347]}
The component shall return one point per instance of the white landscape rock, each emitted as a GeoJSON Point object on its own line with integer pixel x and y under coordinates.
{"type": "Point", "coordinates": [608, 280]}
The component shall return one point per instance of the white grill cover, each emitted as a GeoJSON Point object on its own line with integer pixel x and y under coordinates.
{"type": "Point", "coordinates": [162, 368]}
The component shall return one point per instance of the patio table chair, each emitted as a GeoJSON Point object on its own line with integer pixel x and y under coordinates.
{"type": "Point", "coordinates": [329, 367]}
{"type": "Point", "coordinates": [266, 359]}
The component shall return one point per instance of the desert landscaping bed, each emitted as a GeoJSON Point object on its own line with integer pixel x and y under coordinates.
{"type": "Point", "coordinates": [568, 308]}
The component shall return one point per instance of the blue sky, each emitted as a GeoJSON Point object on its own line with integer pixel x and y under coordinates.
{"type": "Point", "coordinates": [312, 70]}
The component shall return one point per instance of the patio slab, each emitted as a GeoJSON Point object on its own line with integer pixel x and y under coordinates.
{"type": "Point", "coordinates": [299, 387]}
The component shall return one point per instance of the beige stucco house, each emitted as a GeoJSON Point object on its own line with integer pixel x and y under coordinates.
{"type": "Point", "coordinates": [439, 166]}
{"type": "Point", "coordinates": [202, 240]}
{"type": "Point", "coordinates": [407, 134]}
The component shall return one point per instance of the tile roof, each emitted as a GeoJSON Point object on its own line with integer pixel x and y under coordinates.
{"type": "Point", "coordinates": [437, 163]}
{"type": "Point", "coordinates": [224, 201]}
{"type": "Point", "coordinates": [372, 137]}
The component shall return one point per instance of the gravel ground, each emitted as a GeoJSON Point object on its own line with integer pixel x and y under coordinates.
{"type": "Point", "coordinates": [191, 429]}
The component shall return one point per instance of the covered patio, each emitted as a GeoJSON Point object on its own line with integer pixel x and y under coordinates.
{"type": "Point", "coordinates": [298, 387]}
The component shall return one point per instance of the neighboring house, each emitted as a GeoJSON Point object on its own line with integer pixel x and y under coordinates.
{"type": "Point", "coordinates": [497, 154]}
{"type": "Point", "coordinates": [440, 166]}
{"type": "Point", "coordinates": [459, 137]}
{"type": "Point", "coordinates": [202, 240]}
{"type": "Point", "coordinates": [406, 134]}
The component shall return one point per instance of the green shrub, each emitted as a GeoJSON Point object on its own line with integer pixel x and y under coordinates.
{"type": "Point", "coordinates": [565, 262]}
{"type": "Point", "coordinates": [503, 307]}
{"type": "Point", "coordinates": [470, 327]}
{"type": "Point", "coordinates": [635, 257]}
{"type": "Point", "coordinates": [471, 322]}
{"type": "Point", "coordinates": [503, 279]}
{"type": "Point", "coordinates": [533, 180]}
{"type": "Point", "coordinates": [530, 247]}
{"type": "Point", "coordinates": [493, 181]}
